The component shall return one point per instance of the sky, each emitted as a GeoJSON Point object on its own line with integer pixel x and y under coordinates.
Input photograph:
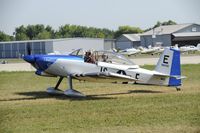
{"type": "Point", "coordinates": [96, 13]}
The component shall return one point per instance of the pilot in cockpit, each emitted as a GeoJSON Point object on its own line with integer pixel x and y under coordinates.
{"type": "Point", "coordinates": [89, 57]}
{"type": "Point", "coordinates": [104, 57]}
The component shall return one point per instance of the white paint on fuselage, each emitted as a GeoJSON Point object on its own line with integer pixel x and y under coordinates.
{"type": "Point", "coordinates": [63, 67]}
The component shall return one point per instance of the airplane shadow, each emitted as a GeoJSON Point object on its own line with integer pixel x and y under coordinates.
{"type": "Point", "coordinates": [128, 92]}
{"type": "Point", "coordinates": [34, 95]}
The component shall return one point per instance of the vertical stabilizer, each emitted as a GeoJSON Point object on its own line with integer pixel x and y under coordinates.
{"type": "Point", "coordinates": [169, 64]}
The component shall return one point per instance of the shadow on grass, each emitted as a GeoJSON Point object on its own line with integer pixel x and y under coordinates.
{"type": "Point", "coordinates": [128, 92]}
{"type": "Point", "coordinates": [34, 95]}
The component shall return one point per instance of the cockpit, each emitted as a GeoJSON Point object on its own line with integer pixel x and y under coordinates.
{"type": "Point", "coordinates": [102, 56]}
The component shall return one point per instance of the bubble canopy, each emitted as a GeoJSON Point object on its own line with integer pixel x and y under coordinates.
{"type": "Point", "coordinates": [105, 56]}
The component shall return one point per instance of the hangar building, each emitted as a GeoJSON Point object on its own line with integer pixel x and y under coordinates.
{"type": "Point", "coordinates": [169, 35]}
{"type": "Point", "coordinates": [128, 41]}
{"type": "Point", "coordinates": [16, 49]}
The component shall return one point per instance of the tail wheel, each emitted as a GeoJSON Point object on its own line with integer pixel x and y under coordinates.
{"type": "Point", "coordinates": [178, 88]}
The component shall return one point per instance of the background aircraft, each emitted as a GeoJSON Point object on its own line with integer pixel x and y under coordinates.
{"type": "Point", "coordinates": [189, 48]}
{"type": "Point", "coordinates": [130, 51]}
{"type": "Point", "coordinates": [105, 66]}
{"type": "Point", "coordinates": [151, 50]}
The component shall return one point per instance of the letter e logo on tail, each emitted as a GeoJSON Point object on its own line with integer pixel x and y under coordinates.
{"type": "Point", "coordinates": [165, 59]}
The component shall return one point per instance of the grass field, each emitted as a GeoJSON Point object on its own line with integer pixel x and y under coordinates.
{"type": "Point", "coordinates": [13, 60]}
{"type": "Point", "coordinates": [25, 107]}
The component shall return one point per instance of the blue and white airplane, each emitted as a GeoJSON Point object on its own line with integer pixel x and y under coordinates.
{"type": "Point", "coordinates": [104, 66]}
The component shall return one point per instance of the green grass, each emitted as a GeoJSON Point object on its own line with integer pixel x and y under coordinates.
{"type": "Point", "coordinates": [26, 107]}
{"type": "Point", "coordinates": [13, 60]}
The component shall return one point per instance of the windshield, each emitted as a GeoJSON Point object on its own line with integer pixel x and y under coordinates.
{"type": "Point", "coordinates": [103, 56]}
{"type": "Point", "coordinates": [78, 52]}
{"type": "Point", "coordinates": [111, 57]}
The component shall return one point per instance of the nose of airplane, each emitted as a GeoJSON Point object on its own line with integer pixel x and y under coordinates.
{"type": "Point", "coordinates": [29, 58]}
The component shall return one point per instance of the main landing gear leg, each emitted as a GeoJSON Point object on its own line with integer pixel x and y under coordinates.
{"type": "Point", "coordinates": [55, 90]}
{"type": "Point", "coordinates": [71, 91]}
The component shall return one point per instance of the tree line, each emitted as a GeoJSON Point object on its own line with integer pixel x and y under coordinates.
{"type": "Point", "coordinates": [40, 31]}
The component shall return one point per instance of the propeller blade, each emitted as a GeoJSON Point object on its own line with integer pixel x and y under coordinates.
{"type": "Point", "coordinates": [29, 49]}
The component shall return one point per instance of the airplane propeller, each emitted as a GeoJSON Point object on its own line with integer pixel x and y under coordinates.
{"type": "Point", "coordinates": [29, 58]}
{"type": "Point", "coordinates": [28, 47]}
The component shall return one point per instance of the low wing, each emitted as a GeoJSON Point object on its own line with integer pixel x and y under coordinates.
{"type": "Point", "coordinates": [104, 77]}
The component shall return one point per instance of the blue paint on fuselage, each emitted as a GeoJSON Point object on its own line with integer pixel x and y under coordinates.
{"type": "Point", "coordinates": [44, 61]}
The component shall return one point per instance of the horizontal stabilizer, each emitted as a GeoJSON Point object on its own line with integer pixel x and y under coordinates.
{"type": "Point", "coordinates": [170, 76]}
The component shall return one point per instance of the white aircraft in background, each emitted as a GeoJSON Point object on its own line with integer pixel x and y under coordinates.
{"type": "Point", "coordinates": [151, 50]}
{"type": "Point", "coordinates": [104, 66]}
{"type": "Point", "coordinates": [189, 48]}
{"type": "Point", "coordinates": [129, 51]}
{"type": "Point", "coordinates": [158, 50]}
